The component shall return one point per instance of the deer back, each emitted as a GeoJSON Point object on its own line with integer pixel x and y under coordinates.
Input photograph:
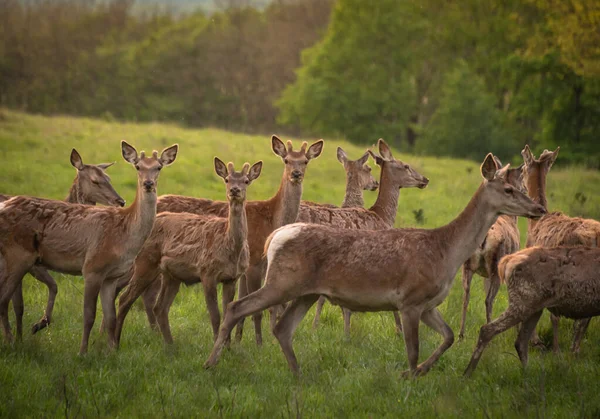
{"type": "Point", "coordinates": [557, 229]}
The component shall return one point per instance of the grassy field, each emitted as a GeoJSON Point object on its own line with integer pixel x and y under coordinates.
{"type": "Point", "coordinates": [356, 376]}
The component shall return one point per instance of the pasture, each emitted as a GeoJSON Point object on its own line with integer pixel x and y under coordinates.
{"type": "Point", "coordinates": [355, 376]}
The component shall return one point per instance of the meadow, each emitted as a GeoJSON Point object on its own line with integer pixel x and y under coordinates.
{"type": "Point", "coordinates": [359, 376]}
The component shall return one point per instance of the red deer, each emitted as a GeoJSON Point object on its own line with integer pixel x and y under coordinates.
{"type": "Point", "coordinates": [409, 270]}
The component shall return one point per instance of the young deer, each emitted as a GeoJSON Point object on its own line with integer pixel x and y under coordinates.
{"type": "Point", "coordinates": [90, 186]}
{"type": "Point", "coordinates": [563, 280]}
{"type": "Point", "coordinates": [502, 239]}
{"type": "Point", "coordinates": [99, 242]}
{"type": "Point", "coordinates": [263, 216]}
{"type": "Point", "coordinates": [193, 248]}
{"type": "Point", "coordinates": [555, 229]}
{"type": "Point", "coordinates": [410, 270]}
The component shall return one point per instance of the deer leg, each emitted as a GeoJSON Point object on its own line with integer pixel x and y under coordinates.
{"type": "Point", "coordinates": [555, 320]}
{"type": "Point", "coordinates": [253, 282]}
{"type": "Point", "coordinates": [43, 276]}
{"type": "Point", "coordinates": [149, 297]}
{"type": "Point", "coordinates": [434, 320]}
{"type": "Point", "coordinates": [287, 324]}
{"type": "Point", "coordinates": [410, 322]}
{"type": "Point", "coordinates": [346, 313]}
{"type": "Point", "coordinates": [265, 297]}
{"type": "Point", "coordinates": [318, 311]}
{"type": "Point", "coordinates": [226, 298]}
{"type": "Point", "coordinates": [108, 295]}
{"type": "Point", "coordinates": [580, 328]}
{"type": "Point", "coordinates": [11, 278]}
{"type": "Point", "coordinates": [494, 287]}
{"type": "Point", "coordinates": [18, 308]}
{"type": "Point", "coordinates": [210, 295]}
{"type": "Point", "coordinates": [242, 292]}
{"type": "Point", "coordinates": [398, 323]}
{"type": "Point", "coordinates": [467, 276]}
{"type": "Point", "coordinates": [522, 342]}
{"type": "Point", "coordinates": [488, 331]}
{"type": "Point", "coordinates": [168, 292]}
{"type": "Point", "coordinates": [92, 286]}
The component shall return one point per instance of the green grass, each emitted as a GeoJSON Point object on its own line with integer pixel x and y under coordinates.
{"type": "Point", "coordinates": [359, 376]}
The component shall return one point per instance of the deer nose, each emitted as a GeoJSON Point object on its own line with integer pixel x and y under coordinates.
{"type": "Point", "coordinates": [296, 174]}
{"type": "Point", "coordinates": [542, 210]}
{"type": "Point", "coordinates": [148, 184]}
{"type": "Point", "coordinates": [121, 202]}
{"type": "Point", "coordinates": [235, 191]}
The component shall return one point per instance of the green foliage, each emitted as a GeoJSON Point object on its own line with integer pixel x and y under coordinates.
{"type": "Point", "coordinates": [358, 376]}
{"type": "Point", "coordinates": [466, 122]}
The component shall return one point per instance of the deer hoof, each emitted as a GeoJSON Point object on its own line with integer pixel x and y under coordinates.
{"type": "Point", "coordinates": [40, 325]}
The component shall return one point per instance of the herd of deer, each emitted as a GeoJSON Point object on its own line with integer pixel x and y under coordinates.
{"type": "Point", "coordinates": [303, 252]}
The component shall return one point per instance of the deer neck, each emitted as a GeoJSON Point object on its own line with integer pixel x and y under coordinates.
{"type": "Point", "coordinates": [141, 214]}
{"type": "Point", "coordinates": [465, 233]}
{"type": "Point", "coordinates": [286, 202]}
{"type": "Point", "coordinates": [354, 195]}
{"type": "Point", "coordinates": [237, 226]}
{"type": "Point", "coordinates": [536, 189]}
{"type": "Point", "coordinates": [386, 205]}
{"type": "Point", "coordinates": [76, 196]}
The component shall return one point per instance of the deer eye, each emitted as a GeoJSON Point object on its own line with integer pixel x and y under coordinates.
{"type": "Point", "coordinates": [226, 180]}
{"type": "Point", "coordinates": [406, 166]}
{"type": "Point", "coordinates": [137, 167]}
{"type": "Point", "coordinates": [159, 167]}
{"type": "Point", "coordinates": [306, 161]}
{"type": "Point", "coordinates": [247, 181]}
{"type": "Point", "coordinates": [285, 161]}
{"type": "Point", "coordinates": [508, 190]}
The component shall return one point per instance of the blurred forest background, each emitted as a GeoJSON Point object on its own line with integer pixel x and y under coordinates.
{"type": "Point", "coordinates": [455, 78]}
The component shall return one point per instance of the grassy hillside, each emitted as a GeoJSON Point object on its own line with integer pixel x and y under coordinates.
{"type": "Point", "coordinates": [359, 376]}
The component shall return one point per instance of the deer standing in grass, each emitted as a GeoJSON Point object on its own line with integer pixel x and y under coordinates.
{"type": "Point", "coordinates": [555, 229]}
{"type": "Point", "coordinates": [190, 248]}
{"type": "Point", "coordinates": [563, 280]}
{"type": "Point", "coordinates": [502, 239]}
{"type": "Point", "coordinates": [409, 270]}
{"type": "Point", "coordinates": [90, 186]}
{"type": "Point", "coordinates": [100, 243]}
{"type": "Point", "coordinates": [263, 216]}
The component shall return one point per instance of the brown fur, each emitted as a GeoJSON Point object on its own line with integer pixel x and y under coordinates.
{"type": "Point", "coordinates": [502, 239]}
{"type": "Point", "coordinates": [410, 270]}
{"type": "Point", "coordinates": [563, 280]}
{"type": "Point", "coordinates": [99, 242]}
{"type": "Point", "coordinates": [555, 229]}
{"type": "Point", "coordinates": [190, 248]}
{"type": "Point", "coordinates": [90, 186]}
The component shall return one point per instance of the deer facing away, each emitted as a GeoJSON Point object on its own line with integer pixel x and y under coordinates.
{"type": "Point", "coordinates": [502, 239]}
{"type": "Point", "coordinates": [193, 248]}
{"type": "Point", "coordinates": [410, 270]}
{"type": "Point", "coordinates": [555, 229]}
{"type": "Point", "coordinates": [563, 280]}
{"type": "Point", "coordinates": [99, 242]}
{"type": "Point", "coordinates": [90, 186]}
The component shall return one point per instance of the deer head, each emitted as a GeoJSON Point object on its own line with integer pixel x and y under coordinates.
{"type": "Point", "coordinates": [358, 171]}
{"type": "Point", "coordinates": [514, 175]}
{"type": "Point", "coordinates": [536, 168]}
{"type": "Point", "coordinates": [296, 161]}
{"type": "Point", "coordinates": [503, 197]}
{"type": "Point", "coordinates": [400, 173]}
{"type": "Point", "coordinates": [148, 168]}
{"type": "Point", "coordinates": [93, 183]}
{"type": "Point", "coordinates": [237, 182]}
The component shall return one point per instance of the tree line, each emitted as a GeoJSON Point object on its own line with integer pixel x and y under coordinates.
{"type": "Point", "coordinates": [432, 77]}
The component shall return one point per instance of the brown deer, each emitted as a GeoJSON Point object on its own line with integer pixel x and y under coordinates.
{"type": "Point", "coordinates": [502, 239]}
{"type": "Point", "coordinates": [90, 186]}
{"type": "Point", "coordinates": [555, 229]}
{"type": "Point", "coordinates": [190, 248]}
{"type": "Point", "coordinates": [563, 280]}
{"type": "Point", "coordinates": [409, 270]}
{"type": "Point", "coordinates": [263, 216]}
{"type": "Point", "coordinates": [99, 242]}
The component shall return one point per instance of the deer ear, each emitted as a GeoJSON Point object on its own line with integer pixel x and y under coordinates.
{"type": "Point", "coordinates": [255, 171]}
{"type": "Point", "coordinates": [341, 155]}
{"type": "Point", "coordinates": [384, 150]}
{"type": "Point", "coordinates": [527, 155]}
{"type": "Point", "coordinates": [314, 150]}
{"type": "Point", "coordinates": [554, 156]}
{"type": "Point", "coordinates": [378, 159]}
{"type": "Point", "coordinates": [503, 172]}
{"type": "Point", "coordinates": [76, 161]}
{"type": "Point", "coordinates": [488, 167]}
{"type": "Point", "coordinates": [169, 155]}
{"type": "Point", "coordinates": [104, 166]}
{"type": "Point", "coordinates": [498, 162]}
{"type": "Point", "coordinates": [220, 168]}
{"type": "Point", "coordinates": [129, 152]}
{"type": "Point", "coordinates": [278, 147]}
{"type": "Point", "coordinates": [363, 159]}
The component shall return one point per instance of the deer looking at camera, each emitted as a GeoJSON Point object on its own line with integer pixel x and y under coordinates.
{"type": "Point", "coordinates": [502, 239]}
{"type": "Point", "coordinates": [409, 270]}
{"type": "Point", "coordinates": [90, 186]}
{"type": "Point", "coordinates": [555, 229]}
{"type": "Point", "coordinates": [100, 243]}
{"type": "Point", "coordinates": [563, 280]}
{"type": "Point", "coordinates": [190, 248]}
{"type": "Point", "coordinates": [263, 216]}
